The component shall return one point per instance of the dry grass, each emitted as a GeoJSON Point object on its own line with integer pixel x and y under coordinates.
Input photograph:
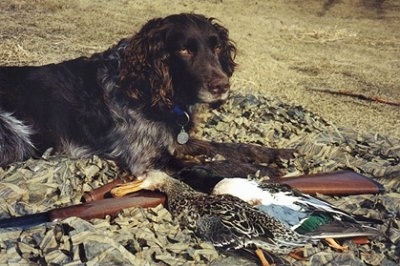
{"type": "Point", "coordinates": [284, 46]}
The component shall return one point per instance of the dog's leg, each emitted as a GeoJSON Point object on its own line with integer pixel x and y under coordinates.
{"type": "Point", "coordinates": [238, 159]}
{"type": "Point", "coordinates": [15, 144]}
{"type": "Point", "coordinates": [251, 153]}
{"type": "Point", "coordinates": [247, 153]}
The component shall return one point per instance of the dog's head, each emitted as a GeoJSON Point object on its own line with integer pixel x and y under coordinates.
{"type": "Point", "coordinates": [178, 60]}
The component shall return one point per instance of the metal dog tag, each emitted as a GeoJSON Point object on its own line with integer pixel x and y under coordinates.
{"type": "Point", "coordinates": [182, 137]}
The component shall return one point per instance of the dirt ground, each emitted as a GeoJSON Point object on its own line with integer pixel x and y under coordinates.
{"type": "Point", "coordinates": [285, 48]}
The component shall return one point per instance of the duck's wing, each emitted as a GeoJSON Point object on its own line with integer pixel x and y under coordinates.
{"type": "Point", "coordinates": [211, 228]}
{"type": "Point", "coordinates": [316, 217]}
{"type": "Point", "coordinates": [229, 222]}
{"type": "Point", "coordinates": [308, 204]}
{"type": "Point", "coordinates": [318, 205]}
{"type": "Point", "coordinates": [338, 229]}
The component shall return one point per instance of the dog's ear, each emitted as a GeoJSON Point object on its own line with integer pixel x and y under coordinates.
{"type": "Point", "coordinates": [228, 48]}
{"type": "Point", "coordinates": [144, 65]}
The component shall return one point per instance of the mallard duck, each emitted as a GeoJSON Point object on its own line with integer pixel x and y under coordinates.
{"type": "Point", "coordinates": [224, 220]}
{"type": "Point", "coordinates": [304, 214]}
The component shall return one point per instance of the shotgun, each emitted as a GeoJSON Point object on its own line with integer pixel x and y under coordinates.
{"type": "Point", "coordinates": [96, 205]}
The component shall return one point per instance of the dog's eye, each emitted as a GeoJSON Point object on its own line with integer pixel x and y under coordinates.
{"type": "Point", "coordinates": [217, 49]}
{"type": "Point", "coordinates": [185, 52]}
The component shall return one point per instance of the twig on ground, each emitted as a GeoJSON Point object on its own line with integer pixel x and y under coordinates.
{"type": "Point", "coordinates": [356, 95]}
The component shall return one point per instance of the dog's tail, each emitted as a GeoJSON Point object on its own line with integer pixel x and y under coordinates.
{"type": "Point", "coordinates": [15, 143]}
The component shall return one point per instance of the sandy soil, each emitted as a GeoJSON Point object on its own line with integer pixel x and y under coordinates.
{"type": "Point", "coordinates": [285, 47]}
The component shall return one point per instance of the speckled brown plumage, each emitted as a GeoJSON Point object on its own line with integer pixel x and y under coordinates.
{"type": "Point", "coordinates": [224, 220]}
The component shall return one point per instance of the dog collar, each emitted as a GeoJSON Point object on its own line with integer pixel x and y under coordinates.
{"type": "Point", "coordinates": [183, 119]}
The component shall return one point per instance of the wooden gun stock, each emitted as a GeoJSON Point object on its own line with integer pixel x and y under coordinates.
{"type": "Point", "coordinates": [335, 184]}
{"type": "Point", "coordinates": [109, 206]}
{"type": "Point", "coordinates": [89, 210]}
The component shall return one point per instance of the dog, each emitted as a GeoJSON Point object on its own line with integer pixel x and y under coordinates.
{"type": "Point", "coordinates": [134, 103]}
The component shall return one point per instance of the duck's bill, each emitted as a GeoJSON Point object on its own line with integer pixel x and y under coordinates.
{"type": "Point", "coordinates": [127, 188]}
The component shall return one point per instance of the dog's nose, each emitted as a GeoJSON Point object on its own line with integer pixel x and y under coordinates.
{"type": "Point", "coordinates": [219, 84]}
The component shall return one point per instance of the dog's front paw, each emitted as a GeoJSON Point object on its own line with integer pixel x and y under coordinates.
{"type": "Point", "coordinates": [252, 153]}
